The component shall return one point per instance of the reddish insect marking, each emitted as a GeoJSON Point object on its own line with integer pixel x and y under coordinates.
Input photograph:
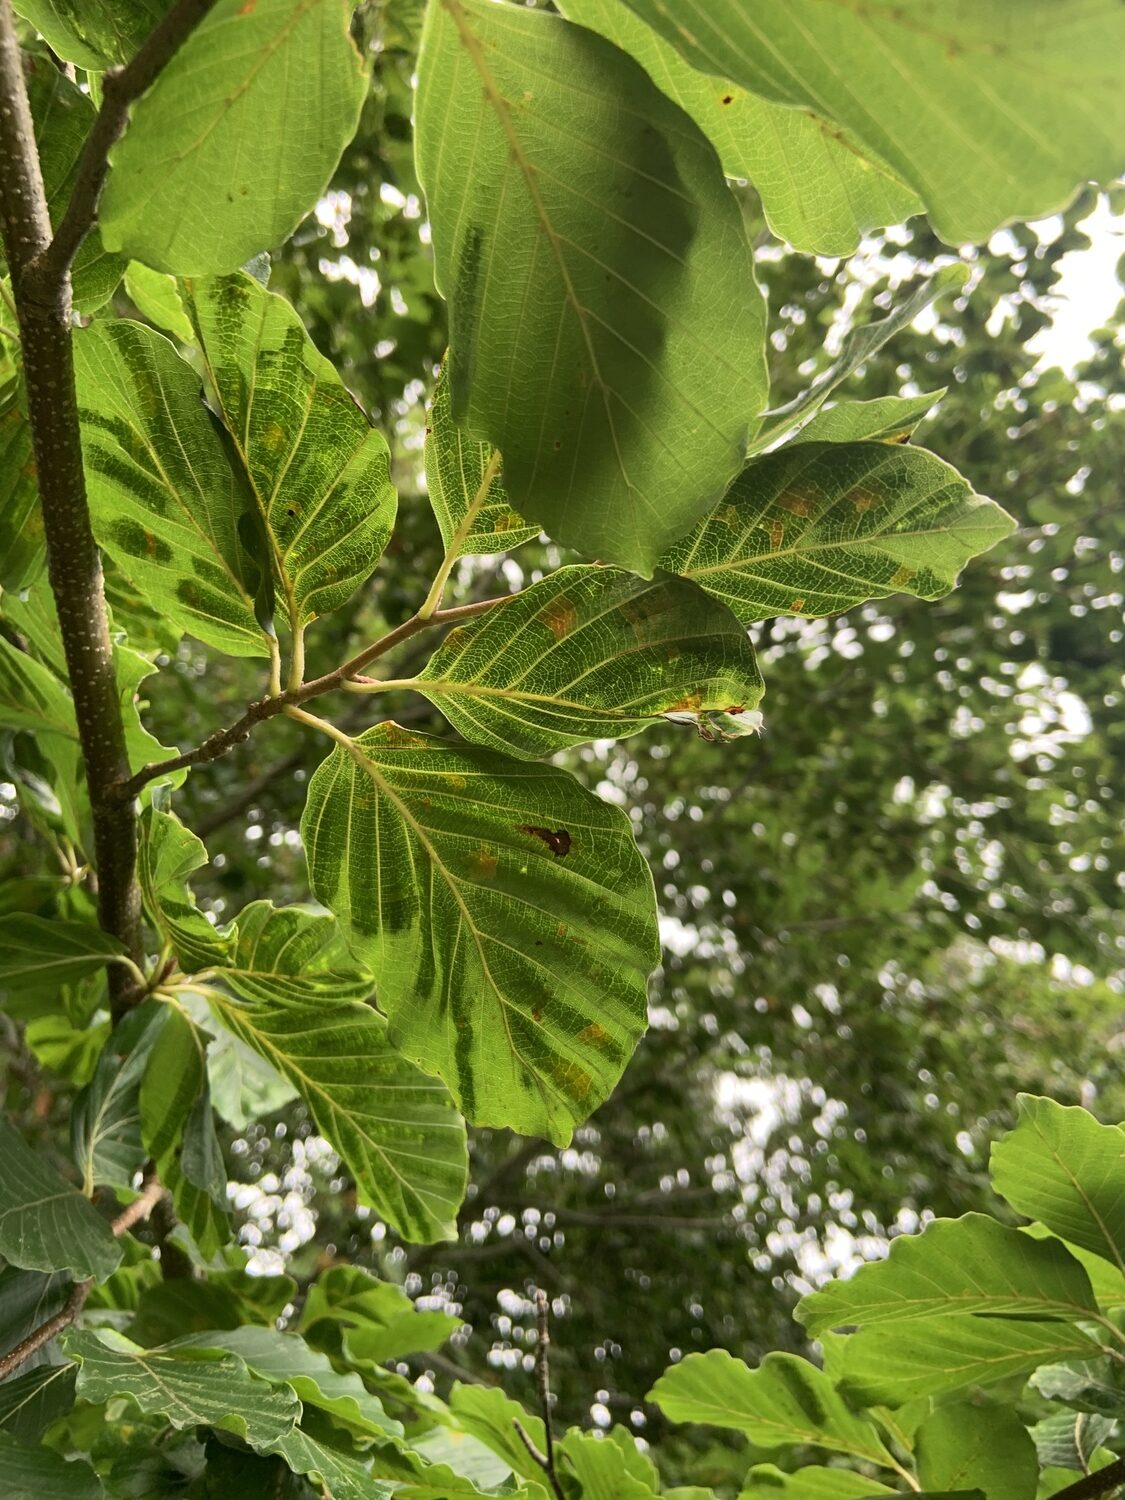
{"type": "Point", "coordinates": [557, 841]}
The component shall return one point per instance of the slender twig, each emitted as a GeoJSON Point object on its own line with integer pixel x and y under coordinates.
{"type": "Point", "coordinates": [139, 1209]}
{"type": "Point", "coordinates": [224, 740]}
{"type": "Point", "coordinates": [546, 1460]}
{"type": "Point", "coordinates": [1101, 1482]}
{"type": "Point", "coordinates": [121, 88]}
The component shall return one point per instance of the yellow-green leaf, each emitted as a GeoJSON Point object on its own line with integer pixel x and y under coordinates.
{"type": "Point", "coordinates": [460, 477]}
{"type": "Point", "coordinates": [164, 497]}
{"type": "Point", "coordinates": [395, 1129]}
{"type": "Point", "coordinates": [606, 333]}
{"type": "Point", "coordinates": [591, 652]}
{"type": "Point", "coordinates": [506, 913]}
{"type": "Point", "coordinates": [820, 187]}
{"type": "Point", "coordinates": [318, 470]}
{"type": "Point", "coordinates": [785, 1400]}
{"type": "Point", "coordinates": [991, 111]}
{"type": "Point", "coordinates": [817, 528]}
{"type": "Point", "coordinates": [237, 138]}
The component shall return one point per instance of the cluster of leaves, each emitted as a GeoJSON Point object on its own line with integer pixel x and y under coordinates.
{"type": "Point", "coordinates": [985, 1362]}
{"type": "Point", "coordinates": [607, 382]}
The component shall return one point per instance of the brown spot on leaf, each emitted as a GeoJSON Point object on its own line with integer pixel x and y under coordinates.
{"type": "Point", "coordinates": [572, 1079]}
{"type": "Point", "coordinates": [797, 606]}
{"type": "Point", "coordinates": [536, 1015]}
{"type": "Point", "coordinates": [483, 863]}
{"type": "Point", "coordinates": [689, 705]}
{"type": "Point", "coordinates": [594, 1034]}
{"type": "Point", "coordinates": [559, 618]}
{"type": "Point", "coordinates": [557, 841]}
{"type": "Point", "coordinates": [777, 533]}
{"type": "Point", "coordinates": [862, 501]}
{"type": "Point", "coordinates": [797, 504]}
{"type": "Point", "coordinates": [901, 575]}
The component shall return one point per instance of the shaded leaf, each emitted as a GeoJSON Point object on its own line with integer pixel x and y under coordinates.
{"type": "Point", "coordinates": [506, 914]}
{"type": "Point", "coordinates": [820, 188]}
{"type": "Point", "coordinates": [1107, 1282]}
{"type": "Point", "coordinates": [457, 470]}
{"type": "Point", "coordinates": [22, 552]}
{"type": "Point", "coordinates": [601, 1468]}
{"type": "Point", "coordinates": [487, 1414]}
{"type": "Point", "coordinates": [29, 1403]}
{"type": "Point", "coordinates": [164, 498]}
{"type": "Point", "coordinates": [27, 1299]}
{"type": "Point", "coordinates": [1070, 1439]}
{"type": "Point", "coordinates": [618, 360]}
{"type": "Point", "coordinates": [195, 1209]}
{"type": "Point", "coordinates": [37, 952]}
{"type": "Point", "coordinates": [339, 1475]}
{"type": "Point", "coordinates": [989, 115]}
{"type": "Point", "coordinates": [284, 1357]}
{"type": "Point", "coordinates": [105, 1123]}
{"type": "Point", "coordinates": [378, 1316]}
{"type": "Point", "coordinates": [968, 1447]}
{"type": "Point", "coordinates": [169, 853]}
{"type": "Point", "coordinates": [892, 1363]}
{"type": "Point", "coordinates": [785, 1400]}
{"type": "Point", "coordinates": [32, 698]}
{"type": "Point", "coordinates": [319, 472]}
{"type": "Point", "coordinates": [261, 99]}
{"type": "Point", "coordinates": [42, 1474]}
{"type": "Point", "coordinates": [957, 1266]}
{"type": "Point", "coordinates": [811, 1483]}
{"type": "Point", "coordinates": [1090, 1386]}
{"type": "Point", "coordinates": [172, 1082]}
{"type": "Point", "coordinates": [201, 1159]}
{"type": "Point", "coordinates": [1060, 1166]}
{"type": "Point", "coordinates": [888, 419]}
{"type": "Point", "coordinates": [395, 1128]}
{"type": "Point", "coordinates": [63, 115]}
{"type": "Point", "coordinates": [590, 652]}
{"type": "Point", "coordinates": [186, 1385]}
{"type": "Point", "coordinates": [817, 528]}
{"type": "Point", "coordinates": [45, 1223]}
